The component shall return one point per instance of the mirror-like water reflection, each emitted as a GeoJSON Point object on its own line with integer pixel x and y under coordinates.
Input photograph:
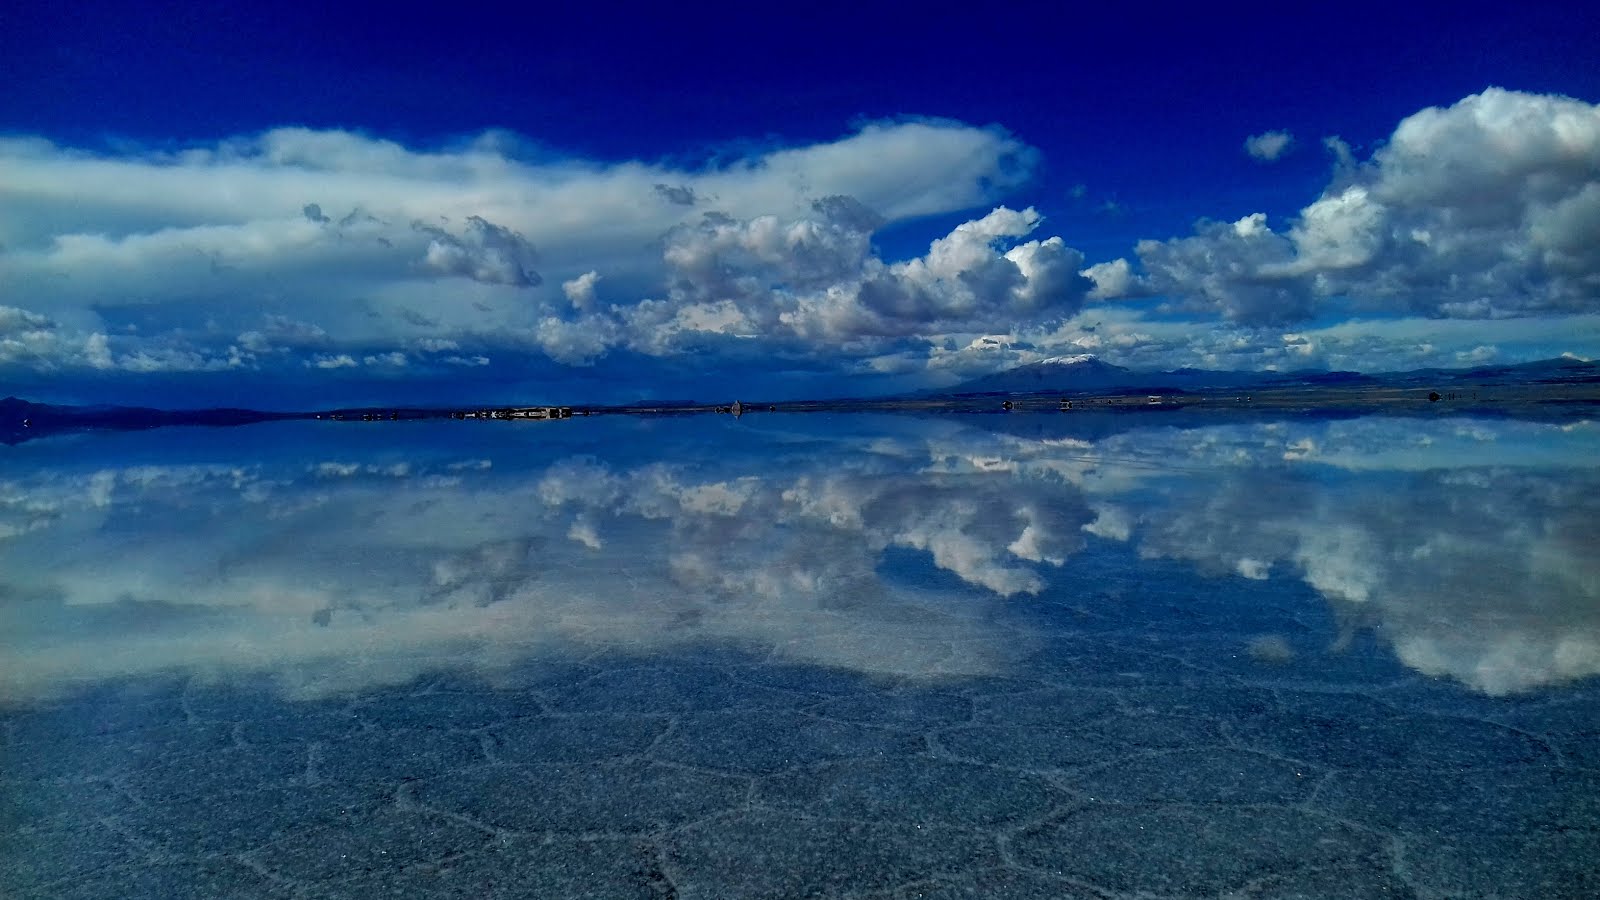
{"type": "Point", "coordinates": [789, 656]}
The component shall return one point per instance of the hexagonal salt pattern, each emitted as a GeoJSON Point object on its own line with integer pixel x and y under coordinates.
{"type": "Point", "coordinates": [695, 779]}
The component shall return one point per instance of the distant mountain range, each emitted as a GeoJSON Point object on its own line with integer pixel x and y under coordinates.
{"type": "Point", "coordinates": [1088, 374]}
{"type": "Point", "coordinates": [21, 420]}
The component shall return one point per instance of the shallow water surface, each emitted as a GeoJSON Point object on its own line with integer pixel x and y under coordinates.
{"type": "Point", "coordinates": [799, 656]}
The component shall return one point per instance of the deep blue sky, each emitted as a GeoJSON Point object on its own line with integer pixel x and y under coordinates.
{"type": "Point", "coordinates": [1142, 105]}
{"type": "Point", "coordinates": [1136, 114]}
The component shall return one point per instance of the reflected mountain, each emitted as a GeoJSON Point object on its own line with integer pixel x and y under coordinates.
{"type": "Point", "coordinates": [334, 559]}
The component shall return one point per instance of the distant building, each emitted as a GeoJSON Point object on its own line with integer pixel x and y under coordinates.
{"type": "Point", "coordinates": [539, 412]}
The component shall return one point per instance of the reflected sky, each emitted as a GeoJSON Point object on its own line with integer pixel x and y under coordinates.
{"type": "Point", "coordinates": [339, 557]}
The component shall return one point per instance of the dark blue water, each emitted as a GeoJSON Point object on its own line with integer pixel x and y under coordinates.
{"type": "Point", "coordinates": [802, 656]}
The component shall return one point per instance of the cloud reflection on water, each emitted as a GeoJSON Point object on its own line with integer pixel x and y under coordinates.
{"type": "Point", "coordinates": [1466, 543]}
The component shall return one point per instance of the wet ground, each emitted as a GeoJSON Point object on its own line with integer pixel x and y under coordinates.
{"type": "Point", "coordinates": [1173, 700]}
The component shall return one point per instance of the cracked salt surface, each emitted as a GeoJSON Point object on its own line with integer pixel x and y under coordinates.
{"type": "Point", "coordinates": [821, 659]}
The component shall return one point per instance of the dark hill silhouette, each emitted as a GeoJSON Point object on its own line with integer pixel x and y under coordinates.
{"type": "Point", "coordinates": [1088, 375]}
{"type": "Point", "coordinates": [21, 420]}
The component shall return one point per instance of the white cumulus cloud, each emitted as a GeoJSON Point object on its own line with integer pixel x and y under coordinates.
{"type": "Point", "coordinates": [1485, 208]}
{"type": "Point", "coordinates": [373, 246]}
{"type": "Point", "coordinates": [1268, 146]}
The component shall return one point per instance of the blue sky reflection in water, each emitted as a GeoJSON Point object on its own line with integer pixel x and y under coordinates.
{"type": "Point", "coordinates": [797, 654]}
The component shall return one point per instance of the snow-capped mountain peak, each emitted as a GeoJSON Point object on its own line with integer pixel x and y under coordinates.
{"type": "Point", "coordinates": [1068, 360]}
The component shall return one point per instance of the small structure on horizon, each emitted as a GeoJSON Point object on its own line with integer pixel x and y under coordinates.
{"type": "Point", "coordinates": [540, 412]}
